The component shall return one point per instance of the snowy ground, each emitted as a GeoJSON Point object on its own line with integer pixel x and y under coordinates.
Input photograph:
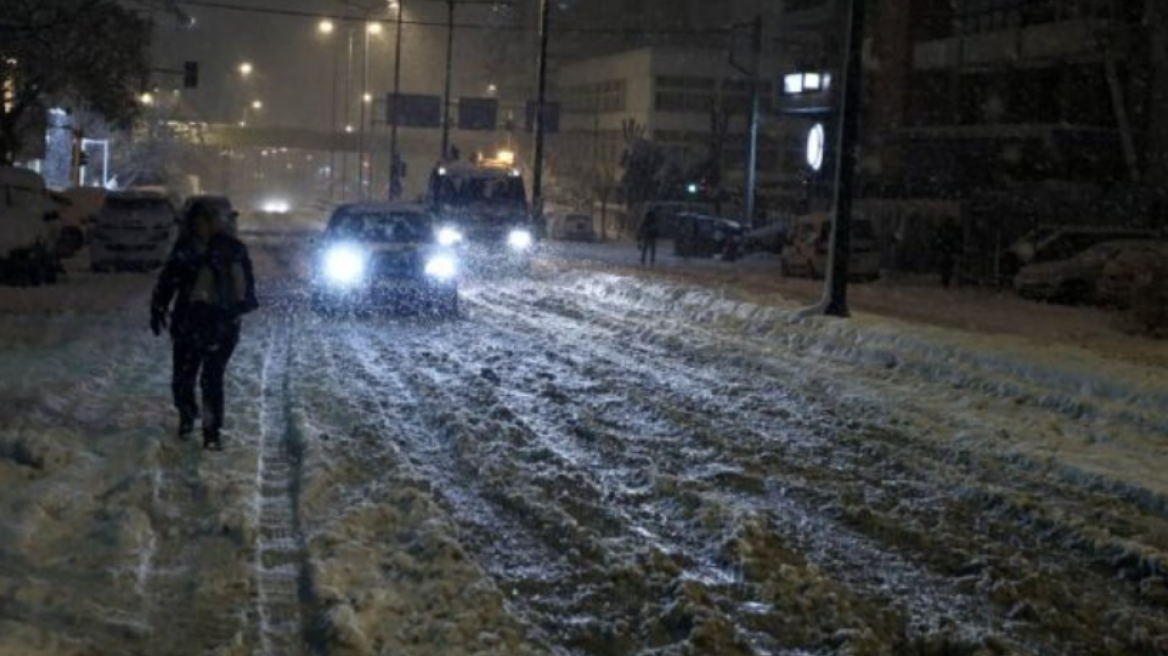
{"type": "Point", "coordinates": [593, 461]}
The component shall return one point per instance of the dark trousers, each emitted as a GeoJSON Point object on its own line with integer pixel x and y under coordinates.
{"type": "Point", "coordinates": [648, 251]}
{"type": "Point", "coordinates": [194, 354]}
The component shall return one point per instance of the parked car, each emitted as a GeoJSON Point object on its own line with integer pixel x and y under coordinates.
{"type": "Point", "coordinates": [808, 249]}
{"type": "Point", "coordinates": [574, 227]}
{"type": "Point", "coordinates": [699, 235]}
{"type": "Point", "coordinates": [767, 239]}
{"type": "Point", "coordinates": [134, 231]}
{"type": "Point", "coordinates": [1079, 279]}
{"type": "Point", "coordinates": [1055, 243]}
{"type": "Point", "coordinates": [78, 208]}
{"type": "Point", "coordinates": [29, 229]}
{"type": "Point", "coordinates": [1124, 274]}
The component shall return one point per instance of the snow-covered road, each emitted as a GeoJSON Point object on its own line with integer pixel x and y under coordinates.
{"type": "Point", "coordinates": [583, 463]}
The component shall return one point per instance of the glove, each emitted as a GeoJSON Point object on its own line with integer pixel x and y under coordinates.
{"type": "Point", "coordinates": [157, 323]}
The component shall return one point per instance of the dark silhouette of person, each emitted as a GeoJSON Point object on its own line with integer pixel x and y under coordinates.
{"type": "Point", "coordinates": [203, 292]}
{"type": "Point", "coordinates": [948, 246]}
{"type": "Point", "coordinates": [647, 236]}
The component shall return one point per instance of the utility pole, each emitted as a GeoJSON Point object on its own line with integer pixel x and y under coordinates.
{"type": "Point", "coordinates": [541, 112]}
{"type": "Point", "coordinates": [333, 123]}
{"type": "Point", "coordinates": [364, 106]}
{"type": "Point", "coordinates": [449, 78]}
{"type": "Point", "coordinates": [395, 185]}
{"type": "Point", "coordinates": [755, 118]}
{"type": "Point", "coordinates": [753, 71]}
{"type": "Point", "coordinates": [348, 110]}
{"type": "Point", "coordinates": [835, 301]}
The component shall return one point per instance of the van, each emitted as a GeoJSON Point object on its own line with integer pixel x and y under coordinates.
{"type": "Point", "coordinates": [134, 231]}
{"type": "Point", "coordinates": [29, 229]}
{"type": "Point", "coordinates": [807, 252]}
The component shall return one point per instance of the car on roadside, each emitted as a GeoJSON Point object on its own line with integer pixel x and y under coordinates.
{"type": "Point", "coordinates": [1123, 276]}
{"type": "Point", "coordinates": [29, 229]}
{"type": "Point", "coordinates": [1057, 243]}
{"type": "Point", "coordinates": [384, 256]}
{"type": "Point", "coordinates": [574, 227]}
{"type": "Point", "coordinates": [807, 253]}
{"type": "Point", "coordinates": [134, 230]}
{"type": "Point", "coordinates": [1095, 275]}
{"type": "Point", "coordinates": [699, 235]}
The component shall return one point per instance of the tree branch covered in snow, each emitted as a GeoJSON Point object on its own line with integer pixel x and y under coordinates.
{"type": "Point", "coordinates": [73, 53]}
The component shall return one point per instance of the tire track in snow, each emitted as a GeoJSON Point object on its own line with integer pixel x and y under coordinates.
{"type": "Point", "coordinates": [283, 583]}
{"type": "Point", "coordinates": [882, 459]}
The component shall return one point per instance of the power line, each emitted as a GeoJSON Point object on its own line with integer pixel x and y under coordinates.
{"type": "Point", "coordinates": [593, 30]}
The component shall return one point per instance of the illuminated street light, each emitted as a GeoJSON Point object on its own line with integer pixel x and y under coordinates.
{"type": "Point", "coordinates": [246, 69]}
{"type": "Point", "coordinates": [326, 27]}
{"type": "Point", "coordinates": [147, 99]}
{"type": "Point", "coordinates": [368, 97]}
{"type": "Point", "coordinates": [349, 129]}
{"type": "Point", "coordinates": [257, 105]}
{"type": "Point", "coordinates": [374, 29]}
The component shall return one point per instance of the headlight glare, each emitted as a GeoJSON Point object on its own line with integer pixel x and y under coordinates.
{"type": "Point", "coordinates": [449, 236]}
{"type": "Point", "coordinates": [344, 265]}
{"type": "Point", "coordinates": [442, 267]}
{"type": "Point", "coordinates": [521, 240]}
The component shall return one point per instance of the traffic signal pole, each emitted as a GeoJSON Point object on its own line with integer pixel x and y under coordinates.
{"type": "Point", "coordinates": [835, 302]}
{"type": "Point", "coordinates": [541, 112]}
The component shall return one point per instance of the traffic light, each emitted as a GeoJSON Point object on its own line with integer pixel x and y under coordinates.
{"type": "Point", "coordinates": [191, 75]}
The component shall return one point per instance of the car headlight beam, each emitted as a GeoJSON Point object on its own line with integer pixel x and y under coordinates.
{"type": "Point", "coordinates": [443, 268]}
{"type": "Point", "coordinates": [344, 265]}
{"type": "Point", "coordinates": [521, 240]}
{"type": "Point", "coordinates": [449, 236]}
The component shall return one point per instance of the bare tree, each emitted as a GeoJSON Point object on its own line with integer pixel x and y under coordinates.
{"type": "Point", "coordinates": [86, 54]}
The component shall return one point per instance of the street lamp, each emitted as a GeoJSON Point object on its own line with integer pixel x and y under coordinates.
{"type": "Point", "coordinates": [326, 27]}
{"type": "Point", "coordinates": [374, 29]}
{"type": "Point", "coordinates": [246, 69]}
{"type": "Point", "coordinates": [147, 99]}
{"type": "Point", "coordinates": [257, 105]}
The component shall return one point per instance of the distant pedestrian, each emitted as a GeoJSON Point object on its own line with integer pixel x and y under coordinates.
{"type": "Point", "coordinates": [202, 294]}
{"type": "Point", "coordinates": [647, 236]}
{"type": "Point", "coordinates": [948, 246]}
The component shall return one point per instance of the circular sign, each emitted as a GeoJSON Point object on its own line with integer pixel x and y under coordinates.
{"type": "Point", "coordinates": [816, 147]}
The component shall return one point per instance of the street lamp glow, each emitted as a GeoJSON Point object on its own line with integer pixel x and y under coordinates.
{"type": "Point", "coordinates": [326, 27]}
{"type": "Point", "coordinates": [374, 29]}
{"type": "Point", "coordinates": [246, 69]}
{"type": "Point", "coordinates": [147, 99]}
{"type": "Point", "coordinates": [368, 97]}
{"type": "Point", "coordinates": [257, 105]}
{"type": "Point", "coordinates": [349, 129]}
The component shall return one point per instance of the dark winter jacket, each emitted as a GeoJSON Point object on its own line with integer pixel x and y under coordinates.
{"type": "Point", "coordinates": [231, 275]}
{"type": "Point", "coordinates": [650, 229]}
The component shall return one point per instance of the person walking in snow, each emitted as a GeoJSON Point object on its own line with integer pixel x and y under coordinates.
{"type": "Point", "coordinates": [647, 236]}
{"type": "Point", "coordinates": [203, 292]}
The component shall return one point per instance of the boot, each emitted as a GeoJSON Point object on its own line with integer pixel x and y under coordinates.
{"type": "Point", "coordinates": [211, 439]}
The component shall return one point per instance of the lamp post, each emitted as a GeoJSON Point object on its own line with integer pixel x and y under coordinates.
{"type": "Point", "coordinates": [395, 185]}
{"type": "Point", "coordinates": [326, 28]}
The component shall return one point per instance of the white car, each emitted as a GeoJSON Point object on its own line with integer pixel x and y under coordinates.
{"type": "Point", "coordinates": [29, 229]}
{"type": "Point", "coordinates": [134, 230]}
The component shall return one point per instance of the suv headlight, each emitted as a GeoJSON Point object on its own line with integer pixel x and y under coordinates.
{"type": "Point", "coordinates": [449, 236]}
{"type": "Point", "coordinates": [442, 267]}
{"type": "Point", "coordinates": [344, 265]}
{"type": "Point", "coordinates": [521, 240]}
